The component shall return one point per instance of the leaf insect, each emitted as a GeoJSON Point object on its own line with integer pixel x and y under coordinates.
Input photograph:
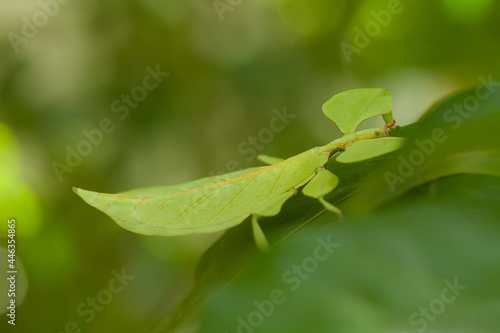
{"type": "Point", "coordinates": [217, 203]}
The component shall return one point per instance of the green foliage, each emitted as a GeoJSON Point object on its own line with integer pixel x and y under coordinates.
{"type": "Point", "coordinates": [388, 265]}
{"type": "Point", "coordinates": [87, 63]}
{"type": "Point", "coordinates": [432, 211]}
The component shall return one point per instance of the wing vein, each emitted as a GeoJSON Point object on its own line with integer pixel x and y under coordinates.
{"type": "Point", "coordinates": [156, 210]}
{"type": "Point", "coordinates": [279, 179]}
{"type": "Point", "coordinates": [196, 204]}
{"type": "Point", "coordinates": [235, 198]}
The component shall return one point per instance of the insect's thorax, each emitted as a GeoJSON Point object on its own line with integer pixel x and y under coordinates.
{"type": "Point", "coordinates": [350, 138]}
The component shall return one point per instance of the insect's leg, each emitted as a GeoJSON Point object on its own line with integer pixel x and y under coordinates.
{"type": "Point", "coordinates": [389, 125]}
{"type": "Point", "coordinates": [331, 207]}
{"type": "Point", "coordinates": [271, 208]}
{"type": "Point", "coordinates": [386, 127]}
{"type": "Point", "coordinates": [323, 183]}
{"type": "Point", "coordinates": [266, 159]}
{"type": "Point", "coordinates": [258, 235]}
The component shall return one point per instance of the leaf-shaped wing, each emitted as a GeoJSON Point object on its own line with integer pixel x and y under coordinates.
{"type": "Point", "coordinates": [366, 149]}
{"type": "Point", "coordinates": [156, 191]}
{"type": "Point", "coordinates": [206, 205]}
{"type": "Point", "coordinates": [350, 108]}
{"type": "Point", "coordinates": [142, 210]}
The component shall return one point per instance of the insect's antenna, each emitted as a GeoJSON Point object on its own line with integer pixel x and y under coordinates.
{"type": "Point", "coordinates": [389, 125]}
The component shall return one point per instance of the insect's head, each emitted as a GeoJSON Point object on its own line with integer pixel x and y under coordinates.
{"type": "Point", "coordinates": [381, 133]}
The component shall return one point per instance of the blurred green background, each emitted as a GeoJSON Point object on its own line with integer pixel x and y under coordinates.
{"type": "Point", "coordinates": [230, 65]}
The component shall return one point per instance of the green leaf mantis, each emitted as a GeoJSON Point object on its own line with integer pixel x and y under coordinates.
{"type": "Point", "coordinates": [217, 203]}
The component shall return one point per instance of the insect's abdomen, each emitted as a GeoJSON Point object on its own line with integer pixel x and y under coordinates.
{"type": "Point", "coordinates": [214, 207]}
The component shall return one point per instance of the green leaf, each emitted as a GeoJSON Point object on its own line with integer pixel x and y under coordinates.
{"type": "Point", "coordinates": [366, 149]}
{"type": "Point", "coordinates": [350, 108]}
{"type": "Point", "coordinates": [384, 266]}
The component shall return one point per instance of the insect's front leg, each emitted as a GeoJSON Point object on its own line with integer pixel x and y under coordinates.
{"type": "Point", "coordinates": [387, 126]}
{"type": "Point", "coordinates": [384, 129]}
